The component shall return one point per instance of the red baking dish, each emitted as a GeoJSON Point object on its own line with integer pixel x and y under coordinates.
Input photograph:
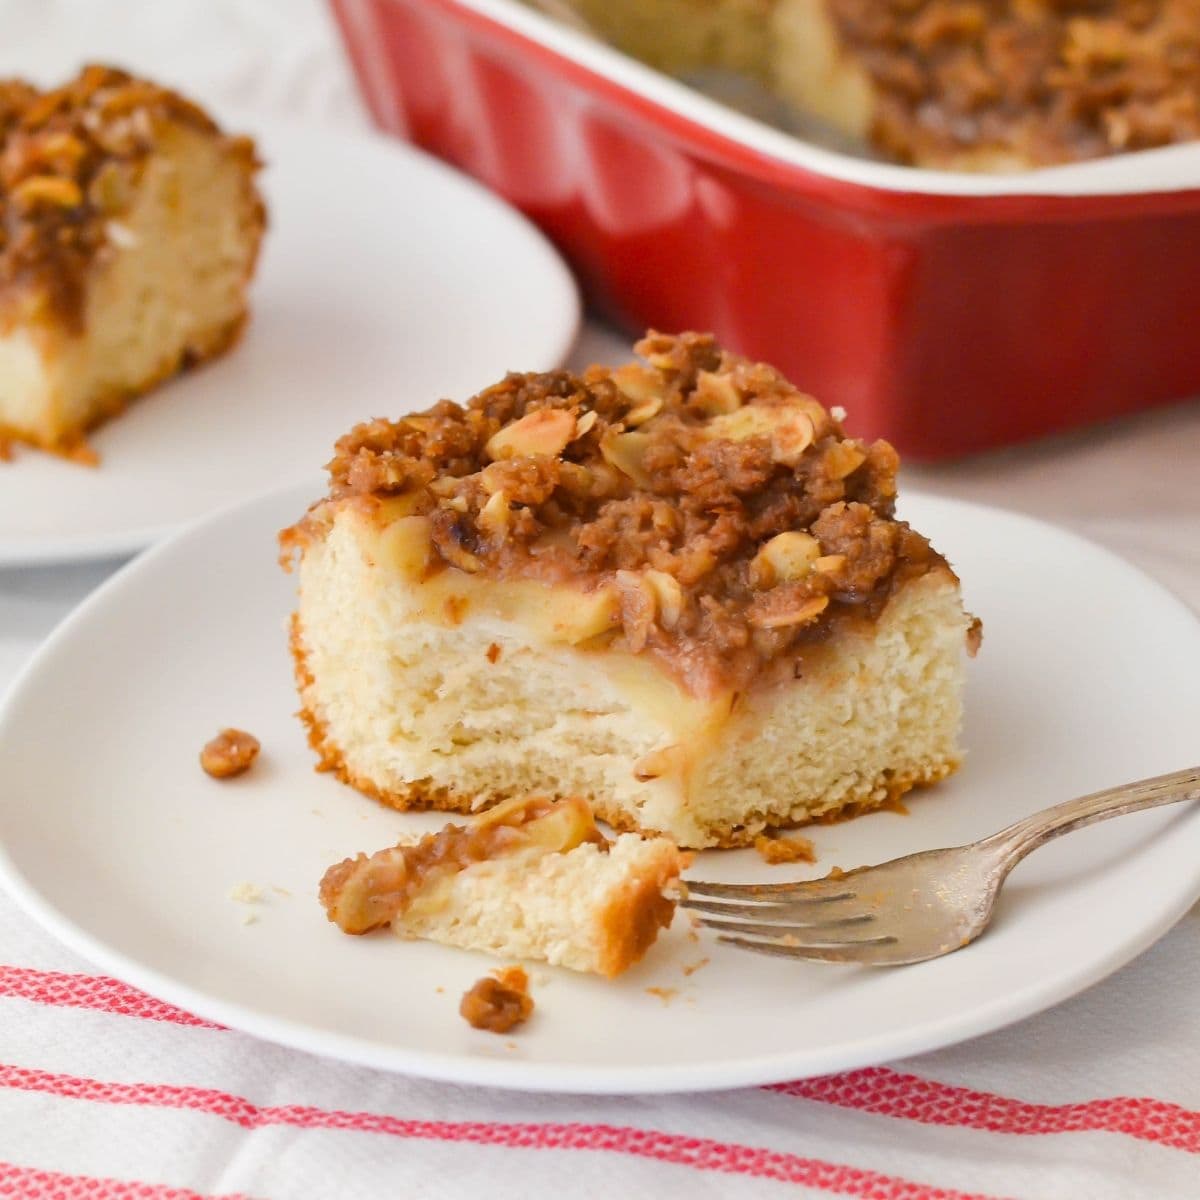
{"type": "Point", "coordinates": [949, 313]}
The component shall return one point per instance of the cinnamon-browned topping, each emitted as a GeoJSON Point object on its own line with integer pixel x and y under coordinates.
{"type": "Point", "coordinates": [364, 893]}
{"type": "Point", "coordinates": [727, 511]}
{"type": "Point", "coordinates": [498, 1002]}
{"type": "Point", "coordinates": [231, 752]}
{"type": "Point", "coordinates": [69, 161]}
{"type": "Point", "coordinates": [1050, 81]}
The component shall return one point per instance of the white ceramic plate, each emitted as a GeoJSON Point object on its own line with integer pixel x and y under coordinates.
{"type": "Point", "coordinates": [387, 281]}
{"type": "Point", "coordinates": [115, 840]}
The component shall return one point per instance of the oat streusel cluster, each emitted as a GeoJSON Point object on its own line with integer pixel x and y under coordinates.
{"type": "Point", "coordinates": [1055, 80]}
{"type": "Point", "coordinates": [728, 509]}
{"type": "Point", "coordinates": [69, 162]}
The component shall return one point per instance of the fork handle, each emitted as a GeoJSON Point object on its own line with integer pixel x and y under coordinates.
{"type": "Point", "coordinates": [1028, 834]}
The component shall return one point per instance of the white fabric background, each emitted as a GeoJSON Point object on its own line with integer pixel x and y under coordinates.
{"type": "Point", "coordinates": [1134, 486]}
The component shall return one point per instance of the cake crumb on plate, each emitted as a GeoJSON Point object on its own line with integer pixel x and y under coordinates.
{"type": "Point", "coordinates": [498, 1002]}
{"type": "Point", "coordinates": [775, 849]}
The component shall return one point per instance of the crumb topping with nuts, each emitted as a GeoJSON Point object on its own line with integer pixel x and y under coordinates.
{"type": "Point", "coordinates": [369, 891]}
{"type": "Point", "coordinates": [69, 161]}
{"type": "Point", "coordinates": [1051, 80]}
{"type": "Point", "coordinates": [232, 752]}
{"type": "Point", "coordinates": [498, 1002]}
{"type": "Point", "coordinates": [724, 513]}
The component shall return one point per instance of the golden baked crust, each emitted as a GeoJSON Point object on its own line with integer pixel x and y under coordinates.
{"type": "Point", "coordinates": [724, 512]}
{"type": "Point", "coordinates": [631, 922]}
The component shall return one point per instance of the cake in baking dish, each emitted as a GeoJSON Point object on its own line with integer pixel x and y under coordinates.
{"type": "Point", "coordinates": [993, 85]}
{"type": "Point", "coordinates": [675, 589]}
{"type": "Point", "coordinates": [532, 878]}
{"type": "Point", "coordinates": [129, 229]}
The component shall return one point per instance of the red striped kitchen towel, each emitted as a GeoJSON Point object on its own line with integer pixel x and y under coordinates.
{"type": "Point", "coordinates": [109, 1094]}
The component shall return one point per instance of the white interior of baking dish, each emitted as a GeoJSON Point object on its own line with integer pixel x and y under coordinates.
{"type": "Point", "coordinates": [1172, 168]}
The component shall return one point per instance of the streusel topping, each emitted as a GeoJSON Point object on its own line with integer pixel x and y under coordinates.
{"type": "Point", "coordinates": [727, 512]}
{"type": "Point", "coordinates": [1050, 80]}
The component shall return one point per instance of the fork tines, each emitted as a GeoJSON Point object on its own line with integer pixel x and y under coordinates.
{"type": "Point", "coordinates": [813, 920]}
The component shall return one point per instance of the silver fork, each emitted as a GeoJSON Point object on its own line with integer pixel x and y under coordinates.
{"type": "Point", "coordinates": [913, 908]}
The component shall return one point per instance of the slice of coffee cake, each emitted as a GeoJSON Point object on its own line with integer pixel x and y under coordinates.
{"type": "Point", "coordinates": [676, 589]}
{"type": "Point", "coordinates": [129, 228]}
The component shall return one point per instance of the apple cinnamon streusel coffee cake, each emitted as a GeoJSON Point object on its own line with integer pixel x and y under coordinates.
{"type": "Point", "coordinates": [976, 85]}
{"type": "Point", "coordinates": [531, 878]}
{"type": "Point", "coordinates": [676, 589]}
{"type": "Point", "coordinates": [129, 229]}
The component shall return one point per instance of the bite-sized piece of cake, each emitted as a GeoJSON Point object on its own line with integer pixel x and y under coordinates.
{"type": "Point", "coordinates": [532, 878]}
{"type": "Point", "coordinates": [129, 229]}
{"type": "Point", "coordinates": [993, 85]}
{"type": "Point", "coordinates": [676, 589]}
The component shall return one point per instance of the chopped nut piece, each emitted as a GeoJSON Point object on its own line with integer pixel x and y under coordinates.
{"type": "Point", "coordinates": [829, 564]}
{"type": "Point", "coordinates": [638, 383]}
{"type": "Point", "coordinates": [639, 606]}
{"type": "Point", "coordinates": [627, 452]}
{"type": "Point", "coordinates": [48, 189]}
{"type": "Point", "coordinates": [495, 516]}
{"type": "Point", "coordinates": [644, 411]}
{"type": "Point", "coordinates": [230, 753]}
{"type": "Point", "coordinates": [773, 849]}
{"type": "Point", "coordinates": [585, 423]}
{"type": "Point", "coordinates": [790, 430]}
{"type": "Point", "coordinates": [669, 595]}
{"type": "Point", "coordinates": [800, 615]}
{"type": "Point", "coordinates": [715, 394]}
{"type": "Point", "coordinates": [785, 558]}
{"type": "Point", "coordinates": [844, 458]}
{"type": "Point", "coordinates": [545, 431]}
{"type": "Point", "coordinates": [498, 1002]}
{"type": "Point", "coordinates": [111, 189]}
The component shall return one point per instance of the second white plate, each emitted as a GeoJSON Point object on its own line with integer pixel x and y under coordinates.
{"type": "Point", "coordinates": [114, 839]}
{"type": "Point", "coordinates": [387, 281]}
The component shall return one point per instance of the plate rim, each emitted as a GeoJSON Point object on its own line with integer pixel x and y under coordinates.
{"type": "Point", "coordinates": [568, 1078]}
{"type": "Point", "coordinates": [69, 548]}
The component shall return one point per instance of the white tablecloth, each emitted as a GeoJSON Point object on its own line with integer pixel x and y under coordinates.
{"type": "Point", "coordinates": [106, 1093]}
